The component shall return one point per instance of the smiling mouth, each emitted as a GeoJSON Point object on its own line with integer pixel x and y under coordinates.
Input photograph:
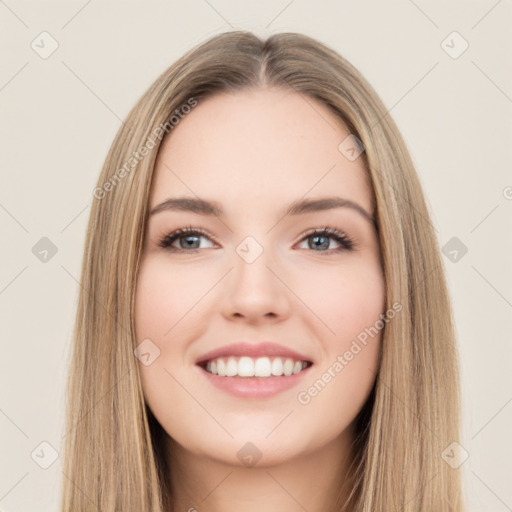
{"type": "Point", "coordinates": [262, 367]}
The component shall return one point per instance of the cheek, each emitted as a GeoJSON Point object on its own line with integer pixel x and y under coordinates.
{"type": "Point", "coordinates": [349, 301]}
{"type": "Point", "coordinates": [161, 303]}
{"type": "Point", "coordinates": [164, 297]}
{"type": "Point", "coordinates": [346, 299]}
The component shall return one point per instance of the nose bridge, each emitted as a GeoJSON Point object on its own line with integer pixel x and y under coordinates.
{"type": "Point", "coordinates": [254, 288]}
{"type": "Point", "coordinates": [252, 262]}
{"type": "Point", "coordinates": [251, 250]}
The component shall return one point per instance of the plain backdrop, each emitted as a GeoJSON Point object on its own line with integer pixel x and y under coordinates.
{"type": "Point", "coordinates": [442, 68]}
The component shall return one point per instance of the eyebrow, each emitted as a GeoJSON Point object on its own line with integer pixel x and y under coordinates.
{"type": "Point", "coordinates": [299, 207]}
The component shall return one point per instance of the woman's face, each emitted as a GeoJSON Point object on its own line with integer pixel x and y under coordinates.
{"type": "Point", "coordinates": [257, 274]}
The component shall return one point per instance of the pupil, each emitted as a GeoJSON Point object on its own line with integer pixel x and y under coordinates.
{"type": "Point", "coordinates": [325, 245]}
{"type": "Point", "coordinates": [189, 238]}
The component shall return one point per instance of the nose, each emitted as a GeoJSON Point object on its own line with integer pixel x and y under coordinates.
{"type": "Point", "coordinates": [255, 291]}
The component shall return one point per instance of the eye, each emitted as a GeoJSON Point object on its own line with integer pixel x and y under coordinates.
{"type": "Point", "coordinates": [188, 239]}
{"type": "Point", "coordinates": [319, 239]}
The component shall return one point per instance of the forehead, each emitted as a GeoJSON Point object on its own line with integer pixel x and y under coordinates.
{"type": "Point", "coordinates": [260, 146]}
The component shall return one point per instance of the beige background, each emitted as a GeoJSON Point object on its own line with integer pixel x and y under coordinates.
{"type": "Point", "coordinates": [58, 117]}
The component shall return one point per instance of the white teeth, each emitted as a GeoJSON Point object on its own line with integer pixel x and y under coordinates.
{"type": "Point", "coordinates": [259, 367]}
{"type": "Point", "coordinates": [288, 367]}
{"type": "Point", "coordinates": [231, 367]}
{"type": "Point", "coordinates": [277, 366]}
{"type": "Point", "coordinates": [245, 367]}
{"type": "Point", "coordinates": [221, 368]}
{"type": "Point", "coordinates": [262, 367]}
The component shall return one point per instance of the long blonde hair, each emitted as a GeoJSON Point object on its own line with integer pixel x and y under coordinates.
{"type": "Point", "coordinates": [113, 455]}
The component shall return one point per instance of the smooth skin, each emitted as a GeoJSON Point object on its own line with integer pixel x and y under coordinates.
{"type": "Point", "coordinates": [255, 152]}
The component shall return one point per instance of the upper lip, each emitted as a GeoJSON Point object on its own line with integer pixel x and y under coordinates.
{"type": "Point", "coordinates": [263, 349]}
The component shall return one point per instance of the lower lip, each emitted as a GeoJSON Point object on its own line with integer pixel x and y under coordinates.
{"type": "Point", "coordinates": [255, 387]}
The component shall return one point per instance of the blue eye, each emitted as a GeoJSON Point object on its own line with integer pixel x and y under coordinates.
{"type": "Point", "coordinates": [190, 236]}
{"type": "Point", "coordinates": [189, 240]}
{"type": "Point", "coordinates": [320, 240]}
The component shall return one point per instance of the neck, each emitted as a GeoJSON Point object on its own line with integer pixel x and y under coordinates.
{"type": "Point", "coordinates": [316, 481]}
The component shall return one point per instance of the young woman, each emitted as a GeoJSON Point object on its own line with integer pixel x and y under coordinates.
{"type": "Point", "coordinates": [263, 321]}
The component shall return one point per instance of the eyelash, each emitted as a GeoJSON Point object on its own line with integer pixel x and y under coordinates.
{"type": "Point", "coordinates": [346, 243]}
